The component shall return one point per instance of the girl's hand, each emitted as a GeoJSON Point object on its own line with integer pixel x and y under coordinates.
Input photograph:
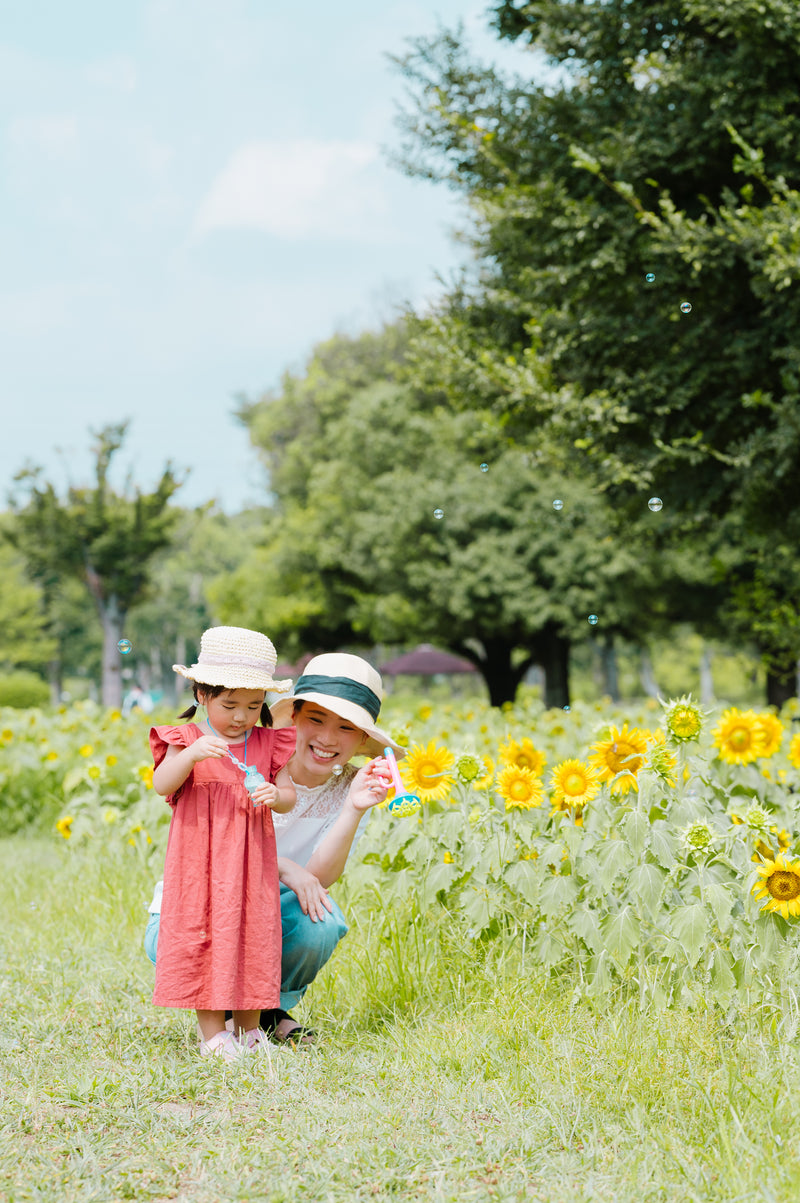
{"type": "Point", "coordinates": [370, 784]}
{"type": "Point", "coordinates": [207, 746]}
{"type": "Point", "coordinates": [311, 894]}
{"type": "Point", "coordinates": [265, 795]}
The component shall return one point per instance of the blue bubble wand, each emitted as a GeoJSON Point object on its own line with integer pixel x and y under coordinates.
{"type": "Point", "coordinates": [402, 804]}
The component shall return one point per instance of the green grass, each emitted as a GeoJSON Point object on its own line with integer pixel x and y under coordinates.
{"type": "Point", "coordinates": [442, 1074]}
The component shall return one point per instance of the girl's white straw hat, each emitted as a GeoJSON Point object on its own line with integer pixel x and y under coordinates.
{"type": "Point", "coordinates": [349, 687]}
{"type": "Point", "coordinates": [234, 658]}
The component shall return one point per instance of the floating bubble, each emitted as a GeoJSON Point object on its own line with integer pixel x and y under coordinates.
{"type": "Point", "coordinates": [655, 504]}
{"type": "Point", "coordinates": [438, 514]}
{"type": "Point", "coordinates": [125, 647]}
{"type": "Point", "coordinates": [558, 504]}
{"type": "Point", "coordinates": [567, 709]}
{"type": "Point", "coordinates": [337, 770]}
{"type": "Point", "coordinates": [650, 277]}
{"type": "Point", "coordinates": [484, 467]}
{"type": "Point", "coordinates": [686, 307]}
{"type": "Point", "coordinates": [592, 620]}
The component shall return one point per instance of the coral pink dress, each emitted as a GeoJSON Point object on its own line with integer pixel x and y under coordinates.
{"type": "Point", "coordinates": [219, 943]}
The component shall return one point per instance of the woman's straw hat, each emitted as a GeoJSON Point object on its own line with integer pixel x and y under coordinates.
{"type": "Point", "coordinates": [234, 658]}
{"type": "Point", "coordinates": [348, 686]}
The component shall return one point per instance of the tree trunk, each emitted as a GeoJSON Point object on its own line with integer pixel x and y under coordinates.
{"type": "Point", "coordinates": [648, 681]}
{"type": "Point", "coordinates": [608, 668]}
{"type": "Point", "coordinates": [54, 680]}
{"type": "Point", "coordinates": [781, 687]}
{"type": "Point", "coordinates": [111, 619]}
{"type": "Point", "coordinates": [554, 659]}
{"type": "Point", "coordinates": [495, 666]}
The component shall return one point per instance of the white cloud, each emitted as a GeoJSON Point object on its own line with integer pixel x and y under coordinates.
{"type": "Point", "coordinates": [118, 74]}
{"type": "Point", "coordinates": [55, 135]}
{"type": "Point", "coordinates": [298, 189]}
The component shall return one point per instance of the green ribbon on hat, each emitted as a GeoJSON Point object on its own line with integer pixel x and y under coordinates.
{"type": "Point", "coordinates": [341, 687]}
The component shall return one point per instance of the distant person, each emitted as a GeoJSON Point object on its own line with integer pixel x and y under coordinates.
{"type": "Point", "coordinates": [137, 699]}
{"type": "Point", "coordinates": [334, 709]}
{"type": "Point", "coordinates": [221, 921]}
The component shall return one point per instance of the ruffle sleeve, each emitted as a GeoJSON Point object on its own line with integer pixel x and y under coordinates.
{"type": "Point", "coordinates": [162, 737]}
{"type": "Point", "coordinates": [282, 748]}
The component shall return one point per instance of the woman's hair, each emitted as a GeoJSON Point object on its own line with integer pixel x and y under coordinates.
{"type": "Point", "coordinates": [213, 691]}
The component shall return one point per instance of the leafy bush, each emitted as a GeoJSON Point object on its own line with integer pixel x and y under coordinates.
{"type": "Point", "coordinates": [21, 690]}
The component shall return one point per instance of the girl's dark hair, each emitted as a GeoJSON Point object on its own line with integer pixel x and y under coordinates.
{"type": "Point", "coordinates": [213, 691]}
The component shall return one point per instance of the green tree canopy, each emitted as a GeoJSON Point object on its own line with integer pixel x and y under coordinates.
{"type": "Point", "coordinates": [104, 538]}
{"type": "Point", "coordinates": [637, 234]}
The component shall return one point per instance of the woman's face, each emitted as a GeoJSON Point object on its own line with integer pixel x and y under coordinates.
{"type": "Point", "coordinates": [323, 741]}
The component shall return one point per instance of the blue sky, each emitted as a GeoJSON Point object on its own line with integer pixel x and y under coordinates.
{"type": "Point", "coordinates": [193, 193]}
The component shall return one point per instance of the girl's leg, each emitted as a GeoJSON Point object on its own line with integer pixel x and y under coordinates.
{"type": "Point", "coordinates": [210, 1023]}
{"type": "Point", "coordinates": [244, 1021]}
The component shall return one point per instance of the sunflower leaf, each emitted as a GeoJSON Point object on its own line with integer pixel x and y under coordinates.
{"type": "Point", "coordinates": [438, 877]}
{"type": "Point", "coordinates": [557, 892]}
{"type": "Point", "coordinates": [647, 882]}
{"type": "Point", "coordinates": [723, 982]}
{"type": "Point", "coordinates": [583, 923]}
{"type": "Point", "coordinates": [621, 935]}
{"type": "Point", "coordinates": [599, 979]}
{"type": "Point", "coordinates": [689, 926]}
{"type": "Point", "coordinates": [637, 831]}
{"type": "Point", "coordinates": [663, 844]}
{"type": "Point", "coordinates": [721, 901]}
{"type": "Point", "coordinates": [524, 880]}
{"type": "Point", "coordinates": [612, 856]}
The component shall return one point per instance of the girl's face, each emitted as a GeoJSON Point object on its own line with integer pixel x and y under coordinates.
{"type": "Point", "coordinates": [323, 740]}
{"type": "Point", "coordinates": [234, 712]}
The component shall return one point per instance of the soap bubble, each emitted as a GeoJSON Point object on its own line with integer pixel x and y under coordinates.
{"type": "Point", "coordinates": [650, 277]}
{"type": "Point", "coordinates": [125, 647]}
{"type": "Point", "coordinates": [337, 770]}
{"type": "Point", "coordinates": [558, 504]}
{"type": "Point", "coordinates": [567, 709]}
{"type": "Point", "coordinates": [484, 467]}
{"type": "Point", "coordinates": [686, 307]}
{"type": "Point", "coordinates": [438, 514]}
{"type": "Point", "coordinates": [655, 504]}
{"type": "Point", "coordinates": [592, 620]}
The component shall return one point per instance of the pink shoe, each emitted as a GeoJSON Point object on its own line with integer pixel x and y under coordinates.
{"type": "Point", "coordinates": [225, 1045]}
{"type": "Point", "coordinates": [256, 1040]}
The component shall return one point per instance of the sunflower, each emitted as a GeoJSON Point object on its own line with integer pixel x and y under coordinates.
{"type": "Point", "coordinates": [794, 751]}
{"type": "Point", "coordinates": [469, 768]}
{"type": "Point", "coordinates": [766, 851]}
{"type": "Point", "coordinates": [622, 753]}
{"type": "Point", "coordinates": [779, 882]}
{"type": "Point", "coordinates": [519, 788]}
{"type": "Point", "coordinates": [522, 755]}
{"type": "Point", "coordinates": [698, 838]}
{"type": "Point", "coordinates": [771, 730]}
{"type": "Point", "coordinates": [64, 826]}
{"type": "Point", "coordinates": [425, 771]}
{"type": "Point", "coordinates": [573, 784]}
{"type": "Point", "coordinates": [485, 781]}
{"type": "Point", "coordinates": [738, 737]}
{"type": "Point", "coordinates": [661, 759]}
{"type": "Point", "coordinates": [683, 720]}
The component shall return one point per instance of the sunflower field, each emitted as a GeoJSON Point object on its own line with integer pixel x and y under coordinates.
{"type": "Point", "coordinates": [653, 848]}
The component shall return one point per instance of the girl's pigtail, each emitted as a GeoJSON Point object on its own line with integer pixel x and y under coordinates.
{"type": "Point", "coordinates": [266, 715]}
{"type": "Point", "coordinates": [190, 713]}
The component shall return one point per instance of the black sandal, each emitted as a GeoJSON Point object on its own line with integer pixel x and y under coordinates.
{"type": "Point", "coordinates": [299, 1035]}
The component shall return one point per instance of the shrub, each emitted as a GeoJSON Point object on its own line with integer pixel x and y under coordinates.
{"type": "Point", "coordinates": [21, 690]}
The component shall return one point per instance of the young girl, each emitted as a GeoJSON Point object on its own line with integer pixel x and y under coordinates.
{"type": "Point", "coordinates": [220, 935]}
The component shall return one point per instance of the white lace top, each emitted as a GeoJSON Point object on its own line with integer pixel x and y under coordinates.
{"type": "Point", "coordinates": [299, 833]}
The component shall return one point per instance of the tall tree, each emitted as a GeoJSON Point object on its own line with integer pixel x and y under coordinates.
{"type": "Point", "coordinates": [401, 520]}
{"type": "Point", "coordinates": [104, 538]}
{"type": "Point", "coordinates": [637, 233]}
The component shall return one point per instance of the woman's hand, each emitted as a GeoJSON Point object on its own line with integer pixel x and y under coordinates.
{"type": "Point", "coordinates": [370, 784]}
{"type": "Point", "coordinates": [311, 894]}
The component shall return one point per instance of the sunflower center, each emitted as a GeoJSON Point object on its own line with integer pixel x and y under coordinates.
{"type": "Point", "coordinates": [520, 791]}
{"type": "Point", "coordinates": [574, 784]}
{"type": "Point", "coordinates": [783, 885]}
{"type": "Point", "coordinates": [427, 771]}
{"type": "Point", "coordinates": [622, 758]}
{"type": "Point", "coordinates": [740, 738]}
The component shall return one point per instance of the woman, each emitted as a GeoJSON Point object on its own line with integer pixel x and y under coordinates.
{"type": "Point", "coordinates": [335, 705]}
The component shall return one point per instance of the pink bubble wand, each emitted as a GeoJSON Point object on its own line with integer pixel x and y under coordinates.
{"type": "Point", "coordinates": [402, 804]}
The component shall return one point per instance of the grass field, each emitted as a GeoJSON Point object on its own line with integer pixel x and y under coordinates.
{"type": "Point", "coordinates": [443, 1073]}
